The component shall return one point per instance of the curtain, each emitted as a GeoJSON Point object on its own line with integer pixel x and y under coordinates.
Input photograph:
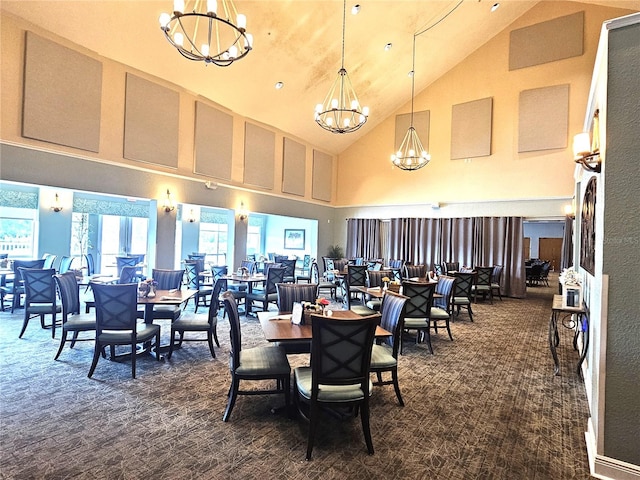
{"type": "Point", "coordinates": [363, 238]}
{"type": "Point", "coordinates": [472, 241]}
{"type": "Point", "coordinates": [566, 259]}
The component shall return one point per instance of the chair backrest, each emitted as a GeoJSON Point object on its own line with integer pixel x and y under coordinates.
{"type": "Point", "coordinates": [496, 275]}
{"type": "Point", "coordinates": [289, 267]}
{"type": "Point", "coordinates": [314, 273]}
{"type": "Point", "coordinates": [219, 286]}
{"type": "Point", "coordinates": [397, 274]}
{"type": "Point", "coordinates": [412, 271]}
{"type": "Point", "coordinates": [127, 275]}
{"type": "Point", "coordinates": [544, 272]}
{"type": "Point", "coordinates": [116, 306]}
{"type": "Point", "coordinates": [235, 336]}
{"type": "Point", "coordinates": [39, 286]}
{"type": "Point", "coordinates": [356, 261]}
{"type": "Point", "coordinates": [288, 293]}
{"type": "Point", "coordinates": [139, 257]}
{"type": "Point", "coordinates": [167, 279]}
{"type": "Point", "coordinates": [91, 265]}
{"type": "Point", "coordinates": [280, 258]}
{"type": "Point", "coordinates": [125, 262]}
{"type": "Point", "coordinates": [484, 275]}
{"type": "Point", "coordinates": [356, 276]}
{"type": "Point", "coordinates": [438, 269]}
{"type": "Point", "coordinates": [463, 284]}
{"type": "Point", "coordinates": [374, 277]}
{"type": "Point", "coordinates": [49, 260]}
{"type": "Point", "coordinates": [444, 287]}
{"type": "Point", "coordinates": [451, 266]}
{"type": "Point", "coordinates": [249, 265]}
{"type": "Point", "coordinates": [392, 320]}
{"type": "Point", "coordinates": [306, 262]}
{"type": "Point", "coordinates": [340, 264]}
{"type": "Point", "coordinates": [196, 256]}
{"type": "Point", "coordinates": [341, 351]}
{"type": "Point", "coordinates": [251, 257]}
{"type": "Point", "coordinates": [420, 299]}
{"type": "Point", "coordinates": [21, 264]}
{"type": "Point", "coordinates": [275, 275]}
{"type": "Point", "coordinates": [396, 263]}
{"type": "Point", "coordinates": [69, 293]}
{"type": "Point", "coordinates": [192, 271]}
{"type": "Point", "coordinates": [218, 271]}
{"type": "Point", "coordinates": [65, 264]}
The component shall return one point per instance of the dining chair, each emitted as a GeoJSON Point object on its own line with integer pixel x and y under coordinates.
{"type": "Point", "coordinates": [200, 323]}
{"type": "Point", "coordinates": [356, 277]}
{"type": "Point", "coordinates": [268, 293]}
{"type": "Point", "coordinates": [40, 297]}
{"type": "Point", "coordinates": [16, 288]}
{"type": "Point", "coordinates": [496, 280]}
{"type": "Point", "coordinates": [167, 280]}
{"type": "Point", "coordinates": [257, 363]}
{"type": "Point", "coordinates": [49, 260]}
{"type": "Point", "coordinates": [396, 263]}
{"type": "Point", "coordinates": [305, 271]}
{"type": "Point", "coordinates": [415, 271]}
{"type": "Point", "coordinates": [117, 323]}
{"type": "Point", "coordinates": [339, 373]}
{"type": "Point", "coordinates": [322, 283]}
{"type": "Point", "coordinates": [289, 266]}
{"type": "Point", "coordinates": [374, 280]}
{"type": "Point", "coordinates": [483, 284]}
{"type": "Point", "coordinates": [384, 355]}
{"type": "Point", "coordinates": [288, 294]}
{"type": "Point", "coordinates": [461, 296]}
{"type": "Point", "coordinates": [441, 310]}
{"type": "Point", "coordinates": [451, 267]}
{"type": "Point", "coordinates": [72, 321]}
{"type": "Point", "coordinates": [417, 315]}
{"type": "Point", "coordinates": [65, 264]}
{"type": "Point", "coordinates": [192, 270]}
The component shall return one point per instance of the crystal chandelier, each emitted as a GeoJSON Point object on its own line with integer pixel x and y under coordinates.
{"type": "Point", "coordinates": [411, 155]}
{"type": "Point", "coordinates": [203, 33]}
{"type": "Point", "coordinates": [341, 112]}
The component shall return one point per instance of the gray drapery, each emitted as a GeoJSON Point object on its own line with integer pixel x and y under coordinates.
{"type": "Point", "coordinates": [472, 241]}
{"type": "Point", "coordinates": [566, 259]}
{"type": "Point", "coordinates": [363, 238]}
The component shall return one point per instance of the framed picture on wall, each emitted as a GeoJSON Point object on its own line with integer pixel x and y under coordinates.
{"type": "Point", "coordinates": [294, 239]}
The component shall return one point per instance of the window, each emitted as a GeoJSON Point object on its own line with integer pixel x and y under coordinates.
{"type": "Point", "coordinates": [17, 232]}
{"type": "Point", "coordinates": [121, 236]}
{"type": "Point", "coordinates": [213, 242]}
{"type": "Point", "coordinates": [254, 234]}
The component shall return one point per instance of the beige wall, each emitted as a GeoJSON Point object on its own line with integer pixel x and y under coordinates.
{"type": "Point", "coordinates": [366, 177]}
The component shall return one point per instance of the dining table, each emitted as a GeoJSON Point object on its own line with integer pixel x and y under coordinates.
{"type": "Point", "coordinates": [277, 327]}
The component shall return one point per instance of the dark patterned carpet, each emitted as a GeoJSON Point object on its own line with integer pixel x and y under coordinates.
{"type": "Point", "coordinates": [486, 406]}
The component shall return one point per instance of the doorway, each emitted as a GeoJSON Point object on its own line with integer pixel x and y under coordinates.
{"type": "Point", "coordinates": [551, 249]}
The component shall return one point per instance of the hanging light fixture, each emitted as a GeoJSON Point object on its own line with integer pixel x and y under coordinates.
{"type": "Point", "coordinates": [341, 112]}
{"type": "Point", "coordinates": [411, 155]}
{"type": "Point", "coordinates": [204, 34]}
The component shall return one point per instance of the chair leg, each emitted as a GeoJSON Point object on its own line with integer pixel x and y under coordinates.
{"type": "Point", "coordinates": [96, 354]}
{"type": "Point", "coordinates": [62, 341]}
{"type": "Point", "coordinates": [172, 339]}
{"type": "Point", "coordinates": [449, 330]}
{"type": "Point", "coordinates": [210, 341]}
{"type": "Point", "coordinates": [215, 337]}
{"type": "Point", "coordinates": [73, 340]}
{"type": "Point", "coordinates": [24, 323]}
{"type": "Point", "coordinates": [233, 395]}
{"type": "Point", "coordinates": [133, 360]}
{"type": "Point", "coordinates": [427, 334]}
{"type": "Point", "coordinates": [314, 413]}
{"type": "Point", "coordinates": [364, 414]}
{"type": "Point", "coordinates": [396, 386]}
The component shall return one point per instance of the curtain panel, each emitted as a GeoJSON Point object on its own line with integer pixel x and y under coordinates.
{"type": "Point", "coordinates": [472, 241]}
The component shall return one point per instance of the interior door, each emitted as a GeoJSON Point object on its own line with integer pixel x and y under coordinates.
{"type": "Point", "coordinates": [551, 249]}
{"type": "Point", "coordinates": [527, 248]}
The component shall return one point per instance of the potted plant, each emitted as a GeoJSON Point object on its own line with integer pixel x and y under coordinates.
{"type": "Point", "coordinates": [335, 251]}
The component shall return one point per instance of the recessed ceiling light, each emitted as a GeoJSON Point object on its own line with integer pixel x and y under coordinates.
{"type": "Point", "coordinates": [279, 85]}
{"type": "Point", "coordinates": [494, 7]}
{"type": "Point", "coordinates": [388, 46]}
{"type": "Point", "coordinates": [355, 9]}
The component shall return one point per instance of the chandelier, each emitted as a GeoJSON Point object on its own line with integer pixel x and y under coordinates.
{"type": "Point", "coordinates": [204, 34]}
{"type": "Point", "coordinates": [411, 155]}
{"type": "Point", "coordinates": [341, 112]}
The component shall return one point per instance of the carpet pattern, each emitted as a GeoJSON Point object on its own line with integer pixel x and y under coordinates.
{"type": "Point", "coordinates": [485, 406]}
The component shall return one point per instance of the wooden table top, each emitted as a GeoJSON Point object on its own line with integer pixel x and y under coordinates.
{"type": "Point", "coordinates": [168, 297]}
{"type": "Point", "coordinates": [557, 306]}
{"type": "Point", "coordinates": [278, 327]}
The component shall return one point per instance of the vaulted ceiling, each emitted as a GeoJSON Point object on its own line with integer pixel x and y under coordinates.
{"type": "Point", "coordinates": [297, 42]}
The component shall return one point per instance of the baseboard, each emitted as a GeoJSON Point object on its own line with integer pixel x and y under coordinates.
{"type": "Point", "coordinates": [605, 467]}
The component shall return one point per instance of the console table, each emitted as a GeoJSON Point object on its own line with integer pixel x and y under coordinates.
{"type": "Point", "coordinates": [574, 318]}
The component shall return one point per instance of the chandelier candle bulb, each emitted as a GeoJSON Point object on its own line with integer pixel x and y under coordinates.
{"type": "Point", "coordinates": [212, 7]}
{"type": "Point", "coordinates": [178, 6]}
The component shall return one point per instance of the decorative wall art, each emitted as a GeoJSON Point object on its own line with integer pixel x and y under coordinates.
{"type": "Point", "coordinates": [294, 239]}
{"type": "Point", "coordinates": [588, 228]}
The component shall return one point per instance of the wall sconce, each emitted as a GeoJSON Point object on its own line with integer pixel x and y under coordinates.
{"type": "Point", "coordinates": [242, 212]}
{"type": "Point", "coordinates": [192, 216]}
{"type": "Point", "coordinates": [587, 152]}
{"type": "Point", "coordinates": [57, 206]}
{"type": "Point", "coordinates": [168, 204]}
{"type": "Point", "coordinates": [569, 211]}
